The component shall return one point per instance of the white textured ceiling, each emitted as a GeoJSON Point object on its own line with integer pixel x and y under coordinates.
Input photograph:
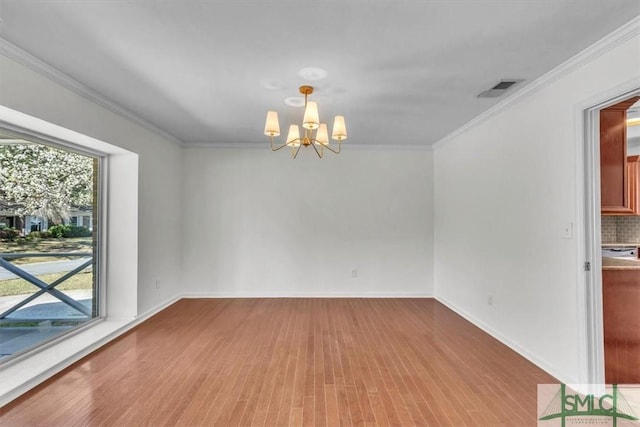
{"type": "Point", "coordinates": [402, 72]}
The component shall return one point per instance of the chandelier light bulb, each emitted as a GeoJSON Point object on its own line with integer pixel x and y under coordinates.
{"type": "Point", "coordinates": [339, 129]}
{"type": "Point", "coordinates": [322, 135]}
{"type": "Point", "coordinates": [293, 137]}
{"type": "Point", "coordinates": [272, 125]}
{"type": "Point", "coordinates": [311, 118]}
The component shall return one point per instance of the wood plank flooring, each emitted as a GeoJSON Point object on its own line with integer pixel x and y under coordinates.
{"type": "Point", "coordinates": [292, 362]}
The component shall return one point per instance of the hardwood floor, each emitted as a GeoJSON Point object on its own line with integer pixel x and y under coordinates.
{"type": "Point", "coordinates": [297, 362]}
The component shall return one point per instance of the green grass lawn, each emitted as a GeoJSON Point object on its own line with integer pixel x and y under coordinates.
{"type": "Point", "coordinates": [77, 244]}
{"type": "Point", "coordinates": [21, 287]}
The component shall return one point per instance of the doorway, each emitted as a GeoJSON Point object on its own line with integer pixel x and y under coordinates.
{"type": "Point", "coordinates": [597, 297]}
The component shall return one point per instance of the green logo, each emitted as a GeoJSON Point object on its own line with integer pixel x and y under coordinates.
{"type": "Point", "coordinates": [565, 405]}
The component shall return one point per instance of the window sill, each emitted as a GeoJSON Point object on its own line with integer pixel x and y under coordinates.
{"type": "Point", "coordinates": [22, 374]}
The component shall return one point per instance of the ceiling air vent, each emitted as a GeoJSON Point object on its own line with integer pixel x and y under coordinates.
{"type": "Point", "coordinates": [499, 88]}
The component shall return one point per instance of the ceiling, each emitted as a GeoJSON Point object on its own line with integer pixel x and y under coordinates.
{"type": "Point", "coordinates": [403, 73]}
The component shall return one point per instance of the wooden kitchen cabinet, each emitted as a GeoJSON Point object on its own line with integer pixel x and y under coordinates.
{"type": "Point", "coordinates": [621, 308]}
{"type": "Point", "coordinates": [614, 181]}
{"type": "Point", "coordinates": [633, 179]}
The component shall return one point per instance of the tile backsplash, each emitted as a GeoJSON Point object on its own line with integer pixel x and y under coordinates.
{"type": "Point", "coordinates": [620, 229]}
{"type": "Point", "coordinates": [609, 229]}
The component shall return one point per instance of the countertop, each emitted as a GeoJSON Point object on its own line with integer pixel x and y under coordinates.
{"type": "Point", "coordinates": [620, 264]}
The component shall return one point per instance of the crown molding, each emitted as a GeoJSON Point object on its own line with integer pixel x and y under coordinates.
{"type": "Point", "coordinates": [24, 58]}
{"type": "Point", "coordinates": [599, 48]}
{"type": "Point", "coordinates": [390, 147]}
{"type": "Point", "coordinates": [265, 145]}
{"type": "Point", "coordinates": [240, 145]}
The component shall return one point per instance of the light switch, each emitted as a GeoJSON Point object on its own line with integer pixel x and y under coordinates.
{"type": "Point", "coordinates": [567, 230]}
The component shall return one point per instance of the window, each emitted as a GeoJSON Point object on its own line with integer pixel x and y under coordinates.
{"type": "Point", "coordinates": [49, 209]}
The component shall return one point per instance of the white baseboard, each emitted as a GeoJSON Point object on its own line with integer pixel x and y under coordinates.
{"type": "Point", "coordinates": [23, 375]}
{"type": "Point", "coordinates": [539, 362]}
{"type": "Point", "coordinates": [305, 295]}
{"type": "Point", "coordinates": [157, 309]}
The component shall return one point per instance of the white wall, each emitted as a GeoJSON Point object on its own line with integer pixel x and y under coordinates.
{"type": "Point", "coordinates": [144, 239]}
{"type": "Point", "coordinates": [262, 224]}
{"type": "Point", "coordinates": [504, 189]}
{"type": "Point", "coordinates": [160, 172]}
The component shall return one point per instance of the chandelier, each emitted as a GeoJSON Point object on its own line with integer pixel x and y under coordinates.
{"type": "Point", "coordinates": [315, 133]}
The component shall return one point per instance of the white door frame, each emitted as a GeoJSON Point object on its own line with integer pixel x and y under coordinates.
{"type": "Point", "coordinates": [589, 244]}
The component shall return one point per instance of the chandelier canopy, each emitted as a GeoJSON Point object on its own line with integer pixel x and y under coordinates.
{"type": "Point", "coordinates": [315, 133]}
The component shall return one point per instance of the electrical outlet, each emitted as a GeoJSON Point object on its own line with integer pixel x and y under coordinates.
{"type": "Point", "coordinates": [354, 272]}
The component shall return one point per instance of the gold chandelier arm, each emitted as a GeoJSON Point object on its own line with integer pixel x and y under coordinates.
{"type": "Point", "coordinates": [277, 148]}
{"type": "Point", "coordinates": [294, 151]}
{"type": "Point", "coordinates": [282, 146]}
{"type": "Point", "coordinates": [319, 153]}
{"type": "Point", "coordinates": [327, 146]}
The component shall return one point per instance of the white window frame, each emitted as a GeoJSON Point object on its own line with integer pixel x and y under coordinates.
{"type": "Point", "coordinates": [100, 278]}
